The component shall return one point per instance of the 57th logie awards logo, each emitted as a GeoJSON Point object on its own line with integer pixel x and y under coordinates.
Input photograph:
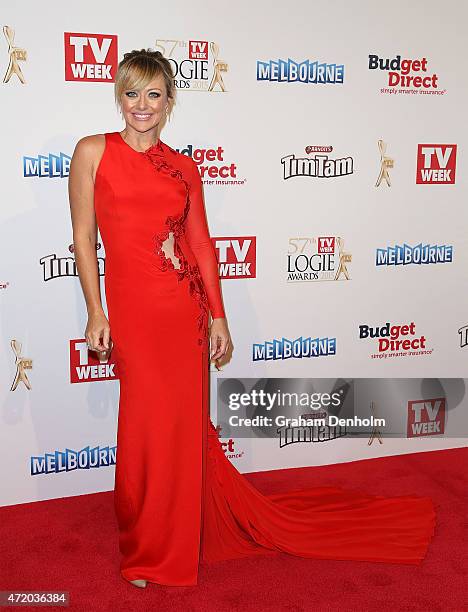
{"type": "Point", "coordinates": [17, 54]}
{"type": "Point", "coordinates": [196, 64]}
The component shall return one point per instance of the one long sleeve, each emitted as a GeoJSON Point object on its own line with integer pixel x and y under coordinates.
{"type": "Point", "coordinates": [198, 238]}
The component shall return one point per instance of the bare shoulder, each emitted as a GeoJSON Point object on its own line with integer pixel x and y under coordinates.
{"type": "Point", "coordinates": [91, 145]}
{"type": "Point", "coordinates": [88, 151]}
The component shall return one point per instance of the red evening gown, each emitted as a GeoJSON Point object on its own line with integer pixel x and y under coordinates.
{"type": "Point", "coordinates": [178, 499]}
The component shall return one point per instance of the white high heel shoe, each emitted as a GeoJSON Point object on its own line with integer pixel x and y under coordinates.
{"type": "Point", "coordinates": [139, 583]}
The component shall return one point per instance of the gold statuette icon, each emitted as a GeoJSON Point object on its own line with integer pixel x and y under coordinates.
{"type": "Point", "coordinates": [385, 163]}
{"type": "Point", "coordinates": [22, 364]}
{"type": "Point", "coordinates": [344, 259]}
{"type": "Point", "coordinates": [218, 66]}
{"type": "Point", "coordinates": [375, 434]}
{"type": "Point", "coordinates": [16, 55]}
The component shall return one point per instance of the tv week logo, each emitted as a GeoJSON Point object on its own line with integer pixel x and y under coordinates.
{"type": "Point", "coordinates": [85, 365]}
{"type": "Point", "coordinates": [326, 244]}
{"type": "Point", "coordinates": [90, 57]}
{"type": "Point", "coordinates": [198, 50]}
{"type": "Point", "coordinates": [426, 417]}
{"type": "Point", "coordinates": [436, 163]}
{"type": "Point", "coordinates": [236, 256]}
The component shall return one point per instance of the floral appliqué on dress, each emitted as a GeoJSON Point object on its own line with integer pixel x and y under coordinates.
{"type": "Point", "coordinates": [175, 225]}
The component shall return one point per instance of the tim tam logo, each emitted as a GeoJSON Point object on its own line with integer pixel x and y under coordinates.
{"type": "Point", "coordinates": [90, 57]}
{"type": "Point", "coordinates": [237, 256]}
{"type": "Point", "coordinates": [85, 366]}
{"type": "Point", "coordinates": [57, 267]}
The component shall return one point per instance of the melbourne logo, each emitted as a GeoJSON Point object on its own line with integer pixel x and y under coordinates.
{"type": "Point", "coordinates": [405, 254]}
{"type": "Point", "coordinates": [68, 460]}
{"type": "Point", "coordinates": [294, 349]}
{"type": "Point", "coordinates": [196, 64]}
{"type": "Point", "coordinates": [289, 71]}
{"type": "Point", "coordinates": [213, 167]}
{"type": "Point", "coordinates": [436, 164]}
{"type": "Point", "coordinates": [90, 57]}
{"type": "Point", "coordinates": [395, 340]}
{"type": "Point", "coordinates": [47, 166]}
{"type": "Point", "coordinates": [58, 267]}
{"type": "Point", "coordinates": [318, 164]}
{"type": "Point", "coordinates": [85, 366]}
{"type": "Point", "coordinates": [237, 256]}
{"type": "Point", "coordinates": [426, 417]}
{"type": "Point", "coordinates": [317, 258]}
{"type": "Point", "coordinates": [15, 55]}
{"type": "Point", "coordinates": [406, 76]}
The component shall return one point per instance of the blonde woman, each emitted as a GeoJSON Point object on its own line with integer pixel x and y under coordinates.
{"type": "Point", "coordinates": [178, 499]}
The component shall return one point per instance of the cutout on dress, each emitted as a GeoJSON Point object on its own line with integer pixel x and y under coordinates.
{"type": "Point", "coordinates": [168, 249]}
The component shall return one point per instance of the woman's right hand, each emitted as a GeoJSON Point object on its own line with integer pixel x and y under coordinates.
{"type": "Point", "coordinates": [97, 333]}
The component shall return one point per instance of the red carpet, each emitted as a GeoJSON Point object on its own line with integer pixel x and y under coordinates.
{"type": "Point", "coordinates": [71, 544]}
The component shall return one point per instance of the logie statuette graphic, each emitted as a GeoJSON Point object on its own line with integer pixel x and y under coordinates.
{"type": "Point", "coordinates": [385, 163]}
{"type": "Point", "coordinates": [22, 364]}
{"type": "Point", "coordinates": [16, 55]}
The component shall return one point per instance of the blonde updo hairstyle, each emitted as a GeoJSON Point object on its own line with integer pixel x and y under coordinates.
{"type": "Point", "coordinates": [140, 67]}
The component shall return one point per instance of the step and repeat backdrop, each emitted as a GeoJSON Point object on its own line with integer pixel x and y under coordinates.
{"type": "Point", "coordinates": [332, 143]}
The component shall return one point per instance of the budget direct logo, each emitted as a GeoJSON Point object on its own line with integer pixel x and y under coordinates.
{"type": "Point", "coordinates": [85, 365]}
{"type": "Point", "coordinates": [213, 166]}
{"type": "Point", "coordinates": [317, 258]}
{"type": "Point", "coordinates": [318, 165]}
{"type": "Point", "coordinates": [405, 254]}
{"type": "Point", "coordinates": [237, 256]}
{"type": "Point", "coordinates": [69, 459]}
{"type": "Point", "coordinates": [58, 267]}
{"type": "Point", "coordinates": [90, 57]}
{"type": "Point", "coordinates": [301, 347]}
{"type": "Point", "coordinates": [289, 71]}
{"type": "Point", "coordinates": [197, 64]}
{"type": "Point", "coordinates": [47, 166]}
{"type": "Point", "coordinates": [395, 340]}
{"type": "Point", "coordinates": [436, 164]}
{"type": "Point", "coordinates": [230, 446]}
{"type": "Point", "coordinates": [426, 417]}
{"type": "Point", "coordinates": [406, 76]}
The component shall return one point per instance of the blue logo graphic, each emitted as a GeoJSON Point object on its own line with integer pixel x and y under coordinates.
{"type": "Point", "coordinates": [305, 72]}
{"type": "Point", "coordinates": [287, 349]}
{"type": "Point", "coordinates": [420, 254]}
{"type": "Point", "coordinates": [65, 461]}
{"type": "Point", "coordinates": [49, 166]}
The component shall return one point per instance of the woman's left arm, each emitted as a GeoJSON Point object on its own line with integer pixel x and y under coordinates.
{"type": "Point", "coordinates": [199, 240]}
